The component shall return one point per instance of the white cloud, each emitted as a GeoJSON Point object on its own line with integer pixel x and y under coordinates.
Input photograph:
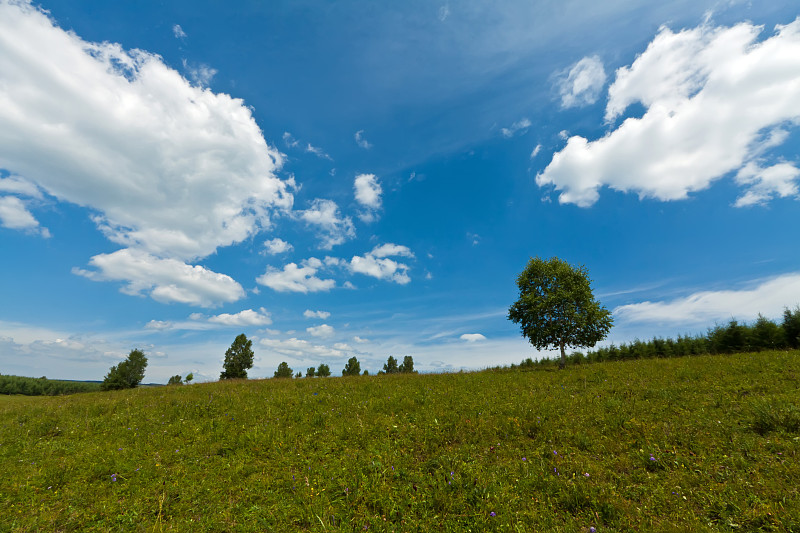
{"type": "Point", "coordinates": [768, 297]}
{"type": "Point", "coordinates": [300, 349]}
{"type": "Point", "coordinates": [319, 152]}
{"type": "Point", "coordinates": [171, 168]}
{"type": "Point", "coordinates": [519, 126]}
{"type": "Point", "coordinates": [716, 100]}
{"type": "Point", "coordinates": [19, 186]}
{"type": "Point", "coordinates": [159, 325]}
{"type": "Point", "coordinates": [201, 74]}
{"type": "Point", "coordinates": [324, 214]}
{"type": "Point", "coordinates": [472, 337]}
{"type": "Point", "coordinates": [444, 12]}
{"type": "Point", "coordinates": [361, 141]}
{"type": "Point", "coordinates": [389, 250]}
{"type": "Point", "coordinates": [178, 32]}
{"type": "Point", "coordinates": [359, 340]}
{"type": "Point", "coordinates": [291, 142]}
{"type": "Point", "coordinates": [277, 246]}
{"type": "Point", "coordinates": [324, 331]}
{"type": "Point", "coordinates": [200, 322]}
{"type": "Point", "coordinates": [580, 85]}
{"type": "Point", "coordinates": [316, 314]}
{"type": "Point", "coordinates": [15, 215]}
{"type": "Point", "coordinates": [765, 183]}
{"type": "Point", "coordinates": [297, 279]}
{"type": "Point", "coordinates": [165, 280]}
{"type": "Point", "coordinates": [377, 264]}
{"type": "Point", "coordinates": [368, 191]}
{"type": "Point", "coordinates": [536, 150]}
{"type": "Point", "coordinates": [248, 317]}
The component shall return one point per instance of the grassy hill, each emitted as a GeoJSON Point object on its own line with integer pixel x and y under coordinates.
{"type": "Point", "coordinates": [709, 443]}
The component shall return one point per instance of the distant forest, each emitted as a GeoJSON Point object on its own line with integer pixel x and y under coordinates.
{"type": "Point", "coordinates": [43, 386]}
{"type": "Point", "coordinates": [734, 337]}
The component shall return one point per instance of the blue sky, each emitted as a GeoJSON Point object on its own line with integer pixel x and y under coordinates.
{"type": "Point", "coordinates": [340, 179]}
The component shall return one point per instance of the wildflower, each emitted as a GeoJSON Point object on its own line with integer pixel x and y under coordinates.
{"type": "Point", "coordinates": [652, 458]}
{"type": "Point", "coordinates": [592, 529]}
{"type": "Point", "coordinates": [586, 474]}
{"type": "Point", "coordinates": [492, 514]}
{"type": "Point", "coordinates": [524, 458]}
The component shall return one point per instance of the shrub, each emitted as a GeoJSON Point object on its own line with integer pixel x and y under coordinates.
{"type": "Point", "coordinates": [128, 374]}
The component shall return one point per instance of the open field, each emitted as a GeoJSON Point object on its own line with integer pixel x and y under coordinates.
{"type": "Point", "coordinates": [709, 443]}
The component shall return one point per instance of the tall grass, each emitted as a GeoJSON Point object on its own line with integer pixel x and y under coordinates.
{"type": "Point", "coordinates": [706, 443]}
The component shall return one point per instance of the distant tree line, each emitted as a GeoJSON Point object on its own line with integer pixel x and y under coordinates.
{"type": "Point", "coordinates": [734, 337]}
{"type": "Point", "coordinates": [43, 386]}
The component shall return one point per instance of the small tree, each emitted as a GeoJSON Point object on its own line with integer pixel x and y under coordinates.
{"type": "Point", "coordinates": [556, 307]}
{"type": "Point", "coordinates": [391, 366]}
{"type": "Point", "coordinates": [407, 367]}
{"type": "Point", "coordinates": [324, 370]}
{"type": "Point", "coordinates": [283, 371]}
{"type": "Point", "coordinates": [352, 368]}
{"type": "Point", "coordinates": [189, 377]}
{"type": "Point", "coordinates": [175, 380]}
{"type": "Point", "coordinates": [128, 374]}
{"type": "Point", "coordinates": [310, 371]}
{"type": "Point", "coordinates": [366, 372]}
{"type": "Point", "coordinates": [238, 358]}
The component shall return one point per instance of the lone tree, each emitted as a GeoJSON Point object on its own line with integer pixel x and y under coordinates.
{"type": "Point", "coordinates": [323, 370]}
{"type": "Point", "coordinates": [556, 307]}
{"type": "Point", "coordinates": [128, 374]}
{"type": "Point", "coordinates": [283, 371]}
{"type": "Point", "coordinates": [352, 368]}
{"type": "Point", "coordinates": [238, 358]}
{"type": "Point", "coordinates": [310, 371]}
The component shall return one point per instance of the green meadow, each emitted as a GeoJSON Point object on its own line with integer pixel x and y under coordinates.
{"type": "Point", "coordinates": [705, 443]}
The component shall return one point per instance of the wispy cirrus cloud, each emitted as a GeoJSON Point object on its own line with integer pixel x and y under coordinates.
{"type": "Point", "coordinates": [521, 126]}
{"type": "Point", "coordinates": [767, 296]}
{"type": "Point", "coordinates": [580, 84]}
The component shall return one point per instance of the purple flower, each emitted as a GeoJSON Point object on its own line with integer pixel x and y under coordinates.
{"type": "Point", "coordinates": [492, 514]}
{"type": "Point", "coordinates": [652, 458]}
{"type": "Point", "coordinates": [592, 529]}
{"type": "Point", "coordinates": [524, 458]}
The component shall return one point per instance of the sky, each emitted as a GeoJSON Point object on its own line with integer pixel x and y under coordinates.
{"type": "Point", "coordinates": [368, 179]}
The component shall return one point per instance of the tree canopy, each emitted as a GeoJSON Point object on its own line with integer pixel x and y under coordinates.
{"type": "Point", "coordinates": [352, 368]}
{"type": "Point", "coordinates": [238, 358]}
{"type": "Point", "coordinates": [283, 371]}
{"type": "Point", "coordinates": [390, 367]}
{"type": "Point", "coordinates": [127, 374]}
{"type": "Point", "coordinates": [556, 307]}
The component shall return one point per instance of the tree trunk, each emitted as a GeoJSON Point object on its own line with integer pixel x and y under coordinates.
{"type": "Point", "coordinates": [563, 361]}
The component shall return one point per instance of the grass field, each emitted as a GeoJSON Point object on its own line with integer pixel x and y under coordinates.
{"type": "Point", "coordinates": [707, 443]}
